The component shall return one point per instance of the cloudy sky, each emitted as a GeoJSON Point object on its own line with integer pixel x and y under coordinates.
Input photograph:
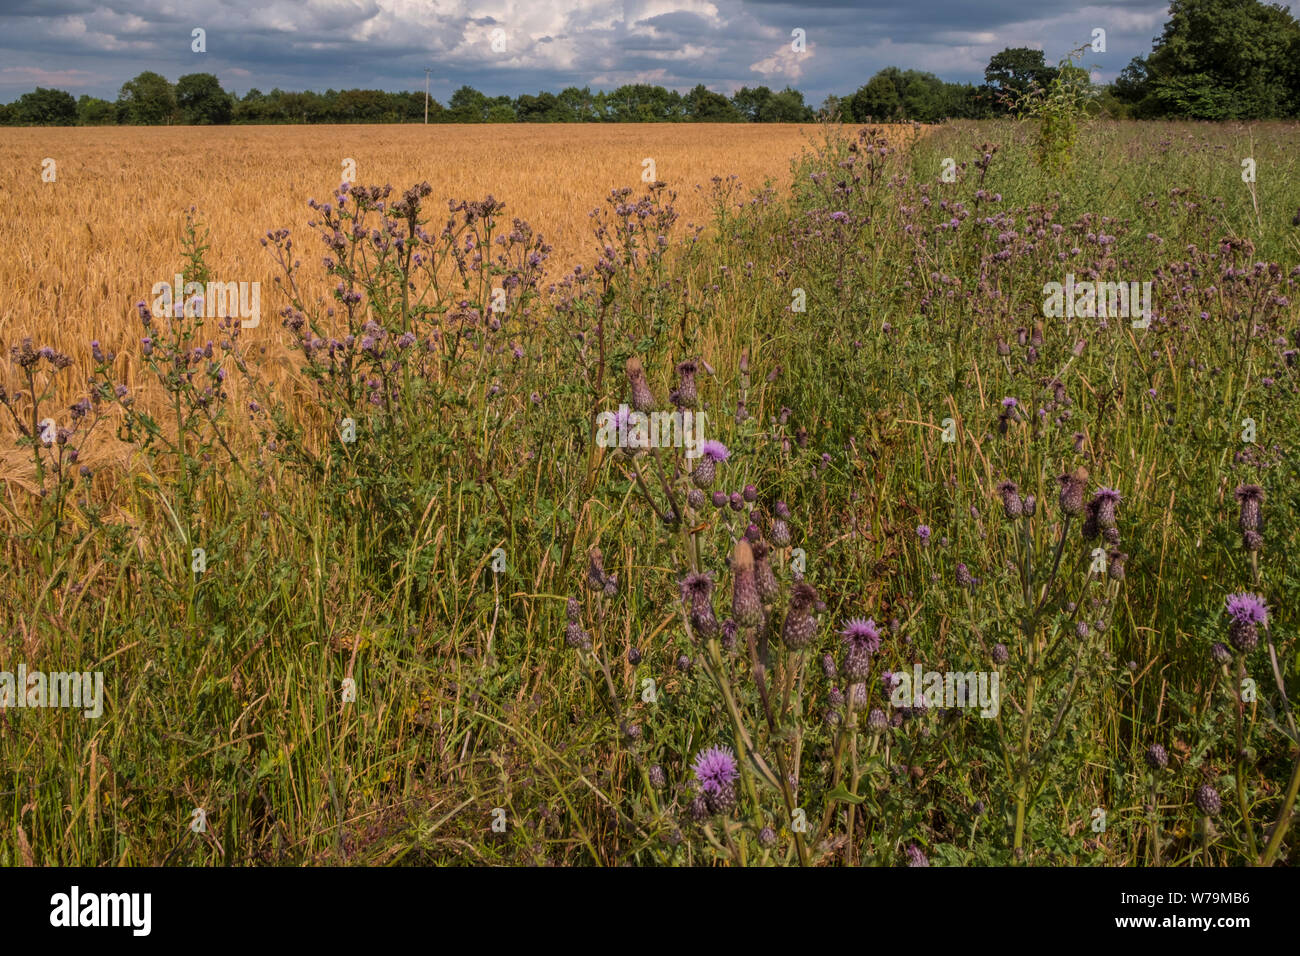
{"type": "Point", "coordinates": [93, 46]}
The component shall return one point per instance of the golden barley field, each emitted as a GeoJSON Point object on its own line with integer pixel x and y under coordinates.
{"type": "Point", "coordinates": [82, 249]}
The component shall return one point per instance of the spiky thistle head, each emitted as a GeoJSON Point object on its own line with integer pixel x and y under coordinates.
{"type": "Point", "coordinates": [687, 394]}
{"type": "Point", "coordinates": [1249, 497]}
{"type": "Point", "coordinates": [643, 399]}
{"type": "Point", "coordinates": [1012, 506]}
{"type": "Point", "coordinates": [800, 625]}
{"type": "Point", "coordinates": [861, 640]}
{"type": "Point", "coordinates": [1207, 800]}
{"type": "Point", "coordinates": [1106, 500]}
{"type": "Point", "coordinates": [746, 605]}
{"type": "Point", "coordinates": [697, 595]}
{"type": "Point", "coordinates": [715, 776]}
{"type": "Point", "coordinates": [1248, 612]}
{"type": "Point", "coordinates": [1072, 485]}
{"type": "Point", "coordinates": [764, 577]}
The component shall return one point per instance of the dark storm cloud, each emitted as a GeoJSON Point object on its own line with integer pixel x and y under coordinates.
{"type": "Point", "coordinates": [93, 46]}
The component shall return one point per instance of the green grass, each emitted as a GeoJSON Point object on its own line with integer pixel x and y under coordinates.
{"type": "Point", "coordinates": [372, 560]}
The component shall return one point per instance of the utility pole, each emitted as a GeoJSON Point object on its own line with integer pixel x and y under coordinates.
{"type": "Point", "coordinates": [426, 97]}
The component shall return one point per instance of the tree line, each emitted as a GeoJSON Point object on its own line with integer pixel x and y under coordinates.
{"type": "Point", "coordinates": [1215, 59]}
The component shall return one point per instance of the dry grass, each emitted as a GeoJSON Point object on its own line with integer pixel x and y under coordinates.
{"type": "Point", "coordinates": [81, 251]}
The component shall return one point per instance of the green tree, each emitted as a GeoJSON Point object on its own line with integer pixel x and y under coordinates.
{"type": "Point", "coordinates": [202, 101]}
{"type": "Point", "coordinates": [92, 111]}
{"type": "Point", "coordinates": [1225, 59]}
{"type": "Point", "coordinates": [705, 106]}
{"type": "Point", "coordinates": [46, 108]}
{"type": "Point", "coordinates": [878, 100]}
{"type": "Point", "coordinates": [542, 108]}
{"type": "Point", "coordinates": [147, 100]}
{"type": "Point", "coordinates": [467, 105]}
{"type": "Point", "coordinates": [750, 102]}
{"type": "Point", "coordinates": [785, 107]}
{"type": "Point", "coordinates": [1017, 70]}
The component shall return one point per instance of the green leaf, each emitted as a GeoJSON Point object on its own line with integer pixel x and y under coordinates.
{"type": "Point", "coordinates": [841, 793]}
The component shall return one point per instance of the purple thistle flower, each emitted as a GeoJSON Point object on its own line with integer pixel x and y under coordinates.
{"type": "Point", "coordinates": [1157, 757]}
{"type": "Point", "coordinates": [715, 774]}
{"type": "Point", "coordinates": [746, 606]}
{"type": "Point", "coordinates": [861, 640]}
{"type": "Point", "coordinates": [1207, 800]}
{"type": "Point", "coordinates": [764, 578]}
{"type": "Point", "coordinates": [711, 452]}
{"type": "Point", "coordinates": [1012, 506]}
{"type": "Point", "coordinates": [800, 625]}
{"type": "Point", "coordinates": [923, 532]}
{"type": "Point", "coordinates": [1250, 497]}
{"type": "Point", "coordinates": [1248, 612]}
{"type": "Point", "coordinates": [1106, 499]}
{"type": "Point", "coordinates": [916, 857]}
{"type": "Point", "coordinates": [1072, 491]}
{"type": "Point", "coordinates": [697, 595]}
{"type": "Point", "coordinates": [642, 398]}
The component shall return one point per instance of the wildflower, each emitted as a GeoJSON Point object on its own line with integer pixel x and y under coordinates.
{"type": "Point", "coordinates": [1106, 499]}
{"type": "Point", "coordinates": [1157, 758]}
{"type": "Point", "coordinates": [642, 398]}
{"type": "Point", "coordinates": [923, 532]}
{"type": "Point", "coordinates": [658, 780]}
{"type": "Point", "coordinates": [964, 578]}
{"type": "Point", "coordinates": [780, 531]}
{"type": "Point", "coordinates": [1250, 497]}
{"type": "Point", "coordinates": [916, 857]}
{"type": "Point", "coordinates": [633, 656]}
{"type": "Point", "coordinates": [697, 595]}
{"type": "Point", "coordinates": [861, 640]}
{"type": "Point", "coordinates": [711, 452]}
{"type": "Point", "coordinates": [686, 393]}
{"type": "Point", "coordinates": [1220, 653]}
{"type": "Point", "coordinates": [750, 494]}
{"type": "Point", "coordinates": [575, 636]}
{"type": "Point", "coordinates": [877, 722]}
{"type": "Point", "coordinates": [1207, 800]}
{"type": "Point", "coordinates": [763, 576]}
{"type": "Point", "coordinates": [800, 625]}
{"type": "Point", "coordinates": [828, 666]}
{"type": "Point", "coordinates": [1248, 612]}
{"type": "Point", "coordinates": [683, 663]}
{"type": "Point", "coordinates": [746, 606]}
{"type": "Point", "coordinates": [1072, 490]}
{"type": "Point", "coordinates": [1012, 506]}
{"type": "Point", "coordinates": [715, 775]}
{"type": "Point", "coordinates": [1115, 567]}
{"type": "Point", "coordinates": [719, 499]}
{"type": "Point", "coordinates": [767, 837]}
{"type": "Point", "coordinates": [596, 570]}
{"type": "Point", "coordinates": [1000, 654]}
